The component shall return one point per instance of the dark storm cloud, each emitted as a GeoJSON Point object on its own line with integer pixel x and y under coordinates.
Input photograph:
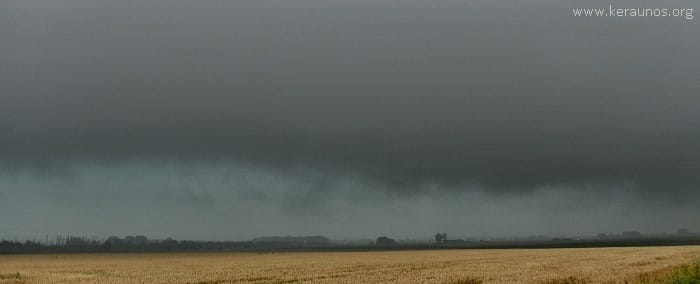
{"type": "Point", "coordinates": [402, 96]}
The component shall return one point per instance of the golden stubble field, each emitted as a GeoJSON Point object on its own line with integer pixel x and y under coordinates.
{"type": "Point", "coordinates": [586, 265]}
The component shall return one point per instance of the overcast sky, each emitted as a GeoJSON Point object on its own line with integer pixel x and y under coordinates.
{"type": "Point", "coordinates": [351, 119]}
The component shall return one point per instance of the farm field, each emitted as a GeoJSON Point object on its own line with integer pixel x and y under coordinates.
{"type": "Point", "coordinates": [579, 265]}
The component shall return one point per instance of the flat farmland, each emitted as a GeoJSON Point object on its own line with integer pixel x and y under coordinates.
{"type": "Point", "coordinates": [576, 265]}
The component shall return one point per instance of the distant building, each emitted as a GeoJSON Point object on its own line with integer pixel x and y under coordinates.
{"type": "Point", "coordinates": [562, 239]}
{"type": "Point", "coordinates": [682, 232]}
{"type": "Point", "coordinates": [455, 242]}
{"type": "Point", "coordinates": [289, 241]}
{"type": "Point", "coordinates": [631, 234]}
{"type": "Point", "coordinates": [386, 242]}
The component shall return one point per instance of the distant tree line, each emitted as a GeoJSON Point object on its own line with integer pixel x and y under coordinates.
{"type": "Point", "coordinates": [143, 244]}
{"type": "Point", "coordinates": [116, 244]}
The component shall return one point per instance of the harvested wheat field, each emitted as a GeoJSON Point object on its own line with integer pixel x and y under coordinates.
{"type": "Point", "coordinates": [582, 265]}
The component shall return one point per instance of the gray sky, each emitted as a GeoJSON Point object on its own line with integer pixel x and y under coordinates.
{"type": "Point", "coordinates": [233, 119]}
